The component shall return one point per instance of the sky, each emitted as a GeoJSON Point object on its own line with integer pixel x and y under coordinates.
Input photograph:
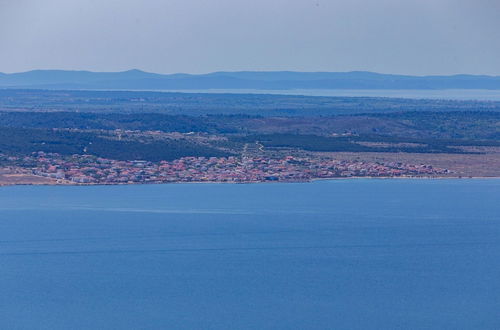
{"type": "Point", "coordinates": [417, 37]}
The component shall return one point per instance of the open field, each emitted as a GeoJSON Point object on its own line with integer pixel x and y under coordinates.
{"type": "Point", "coordinates": [473, 165]}
{"type": "Point", "coordinates": [23, 179]}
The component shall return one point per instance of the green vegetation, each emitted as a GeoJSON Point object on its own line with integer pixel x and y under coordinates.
{"type": "Point", "coordinates": [475, 125]}
{"type": "Point", "coordinates": [366, 143]}
{"type": "Point", "coordinates": [112, 121]}
{"type": "Point", "coordinates": [76, 122]}
{"type": "Point", "coordinates": [202, 104]}
{"type": "Point", "coordinates": [24, 141]}
{"type": "Point", "coordinates": [456, 125]}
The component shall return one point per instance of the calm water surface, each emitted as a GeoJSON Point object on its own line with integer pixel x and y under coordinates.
{"type": "Point", "coordinates": [447, 94]}
{"type": "Point", "coordinates": [344, 254]}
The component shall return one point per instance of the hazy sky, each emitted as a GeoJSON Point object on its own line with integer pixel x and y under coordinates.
{"type": "Point", "coordinates": [194, 36]}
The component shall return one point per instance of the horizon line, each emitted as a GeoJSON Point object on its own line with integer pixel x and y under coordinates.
{"type": "Point", "coordinates": [250, 71]}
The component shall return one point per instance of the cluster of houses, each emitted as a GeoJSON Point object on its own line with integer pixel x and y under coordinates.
{"type": "Point", "coordinates": [87, 169]}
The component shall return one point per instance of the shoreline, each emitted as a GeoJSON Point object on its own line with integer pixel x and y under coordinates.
{"type": "Point", "coordinates": [251, 182]}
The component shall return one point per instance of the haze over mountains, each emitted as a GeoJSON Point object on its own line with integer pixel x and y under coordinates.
{"type": "Point", "coordinates": [264, 80]}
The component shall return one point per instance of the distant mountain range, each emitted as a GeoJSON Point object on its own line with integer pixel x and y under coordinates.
{"type": "Point", "coordinates": [264, 80]}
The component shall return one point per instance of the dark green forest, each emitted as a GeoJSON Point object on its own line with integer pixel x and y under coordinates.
{"type": "Point", "coordinates": [24, 141]}
{"type": "Point", "coordinates": [474, 125]}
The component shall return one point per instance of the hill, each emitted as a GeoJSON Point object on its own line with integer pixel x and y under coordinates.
{"type": "Point", "coordinates": [265, 80]}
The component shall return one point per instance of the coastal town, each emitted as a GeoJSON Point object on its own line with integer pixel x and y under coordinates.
{"type": "Point", "coordinates": [87, 169]}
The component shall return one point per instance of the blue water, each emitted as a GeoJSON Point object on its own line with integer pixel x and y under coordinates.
{"type": "Point", "coordinates": [446, 94]}
{"type": "Point", "coordinates": [344, 254]}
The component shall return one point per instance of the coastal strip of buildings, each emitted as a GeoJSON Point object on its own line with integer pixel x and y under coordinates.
{"type": "Point", "coordinates": [86, 169]}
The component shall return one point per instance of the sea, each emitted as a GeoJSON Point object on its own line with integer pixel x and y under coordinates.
{"type": "Point", "coordinates": [337, 254]}
{"type": "Point", "coordinates": [444, 94]}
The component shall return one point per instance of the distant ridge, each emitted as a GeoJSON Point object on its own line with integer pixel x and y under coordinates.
{"type": "Point", "coordinates": [265, 80]}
